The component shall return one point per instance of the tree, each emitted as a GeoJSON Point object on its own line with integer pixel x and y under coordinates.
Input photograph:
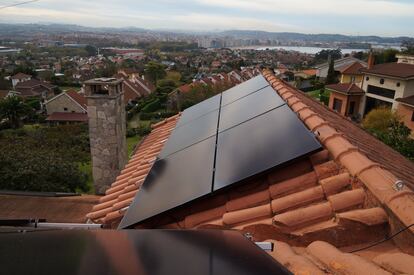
{"type": "Point", "coordinates": [14, 109]}
{"type": "Point", "coordinates": [331, 77]}
{"type": "Point", "coordinates": [155, 71]}
{"type": "Point", "coordinates": [379, 120]}
{"type": "Point", "coordinates": [323, 55]}
{"type": "Point", "coordinates": [91, 50]}
{"type": "Point", "coordinates": [387, 127]}
{"type": "Point", "coordinates": [386, 56]}
{"type": "Point", "coordinates": [408, 46]}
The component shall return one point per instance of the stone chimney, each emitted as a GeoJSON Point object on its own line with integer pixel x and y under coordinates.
{"type": "Point", "coordinates": [371, 60]}
{"type": "Point", "coordinates": [107, 130]}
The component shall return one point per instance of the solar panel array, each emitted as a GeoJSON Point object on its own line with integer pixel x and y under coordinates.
{"type": "Point", "coordinates": [224, 140]}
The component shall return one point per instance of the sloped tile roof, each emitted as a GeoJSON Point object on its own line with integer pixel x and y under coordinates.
{"type": "Point", "coordinates": [79, 98]}
{"type": "Point", "coordinates": [354, 69]}
{"type": "Point", "coordinates": [346, 88]}
{"type": "Point", "coordinates": [54, 209]}
{"type": "Point", "coordinates": [401, 70]}
{"type": "Point", "coordinates": [407, 100]}
{"type": "Point", "coordinates": [339, 195]}
{"type": "Point", "coordinates": [123, 190]}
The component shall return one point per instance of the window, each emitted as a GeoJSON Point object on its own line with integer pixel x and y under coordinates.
{"type": "Point", "coordinates": [382, 81]}
{"type": "Point", "coordinates": [351, 108]}
{"type": "Point", "coordinates": [398, 84]}
{"type": "Point", "coordinates": [352, 79]}
{"type": "Point", "coordinates": [381, 91]}
{"type": "Point", "coordinates": [412, 117]}
{"type": "Point", "coordinates": [65, 109]}
{"type": "Point", "coordinates": [337, 105]}
{"type": "Point", "coordinates": [367, 78]}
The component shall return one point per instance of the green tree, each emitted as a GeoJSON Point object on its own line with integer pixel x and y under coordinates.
{"type": "Point", "coordinates": [408, 46]}
{"type": "Point", "coordinates": [331, 77]}
{"type": "Point", "coordinates": [91, 50]}
{"type": "Point", "coordinates": [386, 56]}
{"type": "Point", "coordinates": [155, 71]}
{"type": "Point", "coordinates": [379, 120]}
{"type": "Point", "coordinates": [387, 127]}
{"type": "Point", "coordinates": [14, 109]}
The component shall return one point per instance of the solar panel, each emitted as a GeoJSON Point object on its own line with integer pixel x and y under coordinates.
{"type": "Point", "coordinates": [200, 109]}
{"type": "Point", "coordinates": [244, 89]}
{"type": "Point", "coordinates": [249, 107]}
{"type": "Point", "coordinates": [257, 132]}
{"type": "Point", "coordinates": [191, 133]}
{"type": "Point", "coordinates": [120, 252]}
{"type": "Point", "coordinates": [173, 181]}
{"type": "Point", "coordinates": [260, 144]}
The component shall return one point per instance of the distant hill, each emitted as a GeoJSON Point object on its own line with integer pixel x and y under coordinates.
{"type": "Point", "coordinates": [291, 36]}
{"type": "Point", "coordinates": [30, 30]}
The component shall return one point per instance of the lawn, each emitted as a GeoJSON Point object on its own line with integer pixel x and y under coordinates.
{"type": "Point", "coordinates": [131, 142]}
{"type": "Point", "coordinates": [317, 95]}
{"type": "Point", "coordinates": [87, 167]}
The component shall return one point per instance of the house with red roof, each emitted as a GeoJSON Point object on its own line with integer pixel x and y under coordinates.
{"type": "Point", "coordinates": [35, 88]}
{"type": "Point", "coordinates": [69, 106]}
{"type": "Point", "coordinates": [385, 83]}
{"type": "Point", "coordinates": [20, 77]}
{"type": "Point", "coordinates": [363, 89]}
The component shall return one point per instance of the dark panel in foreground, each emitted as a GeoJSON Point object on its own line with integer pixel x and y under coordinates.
{"type": "Point", "coordinates": [244, 89]}
{"type": "Point", "coordinates": [191, 133]}
{"type": "Point", "coordinates": [260, 144]}
{"type": "Point", "coordinates": [173, 181]}
{"type": "Point", "coordinates": [249, 107]}
{"type": "Point", "coordinates": [199, 110]}
{"type": "Point", "coordinates": [155, 252]}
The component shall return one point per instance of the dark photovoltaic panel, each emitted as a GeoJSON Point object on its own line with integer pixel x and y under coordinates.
{"type": "Point", "coordinates": [257, 132]}
{"type": "Point", "coordinates": [173, 181]}
{"type": "Point", "coordinates": [244, 89]}
{"type": "Point", "coordinates": [191, 133]}
{"type": "Point", "coordinates": [257, 145]}
{"type": "Point", "coordinates": [120, 252]}
{"type": "Point", "coordinates": [248, 107]}
{"type": "Point", "coordinates": [199, 109]}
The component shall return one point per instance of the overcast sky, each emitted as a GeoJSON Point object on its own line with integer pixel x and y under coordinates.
{"type": "Point", "coordinates": [355, 17]}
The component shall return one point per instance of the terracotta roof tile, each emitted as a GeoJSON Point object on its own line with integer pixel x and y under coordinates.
{"type": "Point", "coordinates": [346, 88]}
{"type": "Point", "coordinates": [342, 263]}
{"type": "Point", "coordinates": [401, 70]}
{"type": "Point", "coordinates": [311, 199]}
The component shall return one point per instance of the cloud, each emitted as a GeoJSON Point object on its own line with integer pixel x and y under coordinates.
{"type": "Point", "coordinates": [221, 22]}
{"type": "Point", "coordinates": [367, 8]}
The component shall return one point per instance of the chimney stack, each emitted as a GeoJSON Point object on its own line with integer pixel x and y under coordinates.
{"type": "Point", "coordinates": [371, 60]}
{"type": "Point", "coordinates": [107, 130]}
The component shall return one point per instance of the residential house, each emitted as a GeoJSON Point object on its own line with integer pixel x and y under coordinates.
{"type": "Point", "coordinates": [352, 73]}
{"type": "Point", "coordinates": [303, 79]}
{"type": "Point", "coordinates": [385, 83]}
{"type": "Point", "coordinates": [345, 98]}
{"type": "Point", "coordinates": [316, 209]}
{"type": "Point", "coordinates": [69, 106]}
{"type": "Point", "coordinates": [20, 77]}
{"type": "Point", "coordinates": [340, 64]}
{"type": "Point", "coordinates": [134, 86]}
{"type": "Point", "coordinates": [35, 88]}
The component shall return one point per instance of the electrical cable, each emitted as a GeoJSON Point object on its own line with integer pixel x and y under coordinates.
{"type": "Point", "coordinates": [17, 4]}
{"type": "Point", "coordinates": [382, 241]}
